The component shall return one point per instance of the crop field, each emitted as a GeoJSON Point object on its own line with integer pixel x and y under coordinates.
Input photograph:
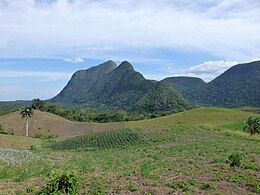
{"type": "Point", "coordinates": [169, 155]}
{"type": "Point", "coordinates": [107, 139]}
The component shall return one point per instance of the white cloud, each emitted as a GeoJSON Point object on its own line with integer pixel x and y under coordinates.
{"type": "Point", "coordinates": [49, 76]}
{"type": "Point", "coordinates": [209, 70]}
{"type": "Point", "coordinates": [75, 60]}
{"type": "Point", "coordinates": [228, 29]}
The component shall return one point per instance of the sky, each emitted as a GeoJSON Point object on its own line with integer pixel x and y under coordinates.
{"type": "Point", "coordinates": [43, 42]}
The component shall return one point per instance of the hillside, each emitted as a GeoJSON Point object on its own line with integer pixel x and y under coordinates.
{"type": "Point", "coordinates": [161, 99]}
{"type": "Point", "coordinates": [80, 83]}
{"type": "Point", "coordinates": [119, 88]}
{"type": "Point", "coordinates": [51, 123]}
{"type": "Point", "coordinates": [187, 86]}
{"type": "Point", "coordinates": [187, 152]}
{"type": "Point", "coordinates": [236, 87]}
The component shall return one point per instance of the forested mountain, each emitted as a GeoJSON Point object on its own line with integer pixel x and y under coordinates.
{"type": "Point", "coordinates": [238, 86]}
{"type": "Point", "coordinates": [80, 83]}
{"type": "Point", "coordinates": [120, 88]}
{"type": "Point", "coordinates": [161, 99]}
{"type": "Point", "coordinates": [187, 86]}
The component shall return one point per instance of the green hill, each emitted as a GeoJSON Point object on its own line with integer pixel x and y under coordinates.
{"type": "Point", "coordinates": [161, 99]}
{"type": "Point", "coordinates": [238, 86]}
{"type": "Point", "coordinates": [187, 86]}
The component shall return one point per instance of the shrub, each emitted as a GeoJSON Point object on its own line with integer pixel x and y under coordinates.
{"type": "Point", "coordinates": [61, 182]}
{"type": "Point", "coordinates": [30, 189]}
{"type": "Point", "coordinates": [235, 159]}
{"type": "Point", "coordinates": [252, 125]}
{"type": "Point", "coordinates": [44, 136]}
{"type": "Point", "coordinates": [2, 131]}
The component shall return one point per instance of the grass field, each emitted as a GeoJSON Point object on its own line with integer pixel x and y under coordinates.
{"type": "Point", "coordinates": [182, 153]}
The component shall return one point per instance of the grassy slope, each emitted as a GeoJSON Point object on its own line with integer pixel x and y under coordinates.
{"type": "Point", "coordinates": [51, 123]}
{"type": "Point", "coordinates": [217, 117]}
{"type": "Point", "coordinates": [12, 141]}
{"type": "Point", "coordinates": [184, 152]}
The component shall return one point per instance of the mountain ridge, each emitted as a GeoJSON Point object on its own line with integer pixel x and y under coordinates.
{"type": "Point", "coordinates": [119, 87]}
{"type": "Point", "coordinates": [238, 86]}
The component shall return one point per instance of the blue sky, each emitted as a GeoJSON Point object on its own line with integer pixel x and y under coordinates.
{"type": "Point", "coordinates": [43, 42]}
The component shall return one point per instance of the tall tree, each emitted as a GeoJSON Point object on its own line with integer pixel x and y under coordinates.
{"type": "Point", "coordinates": [39, 104]}
{"type": "Point", "coordinates": [252, 125]}
{"type": "Point", "coordinates": [27, 113]}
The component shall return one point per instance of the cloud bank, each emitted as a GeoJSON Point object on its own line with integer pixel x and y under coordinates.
{"type": "Point", "coordinates": [209, 70]}
{"type": "Point", "coordinates": [75, 60]}
{"type": "Point", "coordinates": [228, 29]}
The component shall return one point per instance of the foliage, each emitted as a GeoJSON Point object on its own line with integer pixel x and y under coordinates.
{"type": "Point", "coordinates": [2, 131]}
{"type": "Point", "coordinates": [39, 104]}
{"type": "Point", "coordinates": [161, 99]}
{"type": "Point", "coordinates": [107, 139]}
{"type": "Point", "coordinates": [183, 185]}
{"type": "Point", "coordinates": [27, 112]}
{"type": "Point", "coordinates": [252, 125]}
{"type": "Point", "coordinates": [44, 136]}
{"type": "Point", "coordinates": [12, 106]}
{"type": "Point", "coordinates": [61, 182]}
{"type": "Point", "coordinates": [30, 189]}
{"type": "Point", "coordinates": [235, 159]}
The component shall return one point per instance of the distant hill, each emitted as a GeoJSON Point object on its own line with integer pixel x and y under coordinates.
{"type": "Point", "coordinates": [161, 99]}
{"type": "Point", "coordinates": [238, 86]}
{"type": "Point", "coordinates": [50, 123]}
{"type": "Point", "coordinates": [119, 87]}
{"type": "Point", "coordinates": [187, 86]}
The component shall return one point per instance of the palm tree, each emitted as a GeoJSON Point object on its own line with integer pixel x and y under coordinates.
{"type": "Point", "coordinates": [27, 113]}
{"type": "Point", "coordinates": [252, 125]}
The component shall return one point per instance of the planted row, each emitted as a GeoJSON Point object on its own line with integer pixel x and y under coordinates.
{"type": "Point", "coordinates": [108, 139]}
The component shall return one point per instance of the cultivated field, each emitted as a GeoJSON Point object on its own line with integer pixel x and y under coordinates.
{"type": "Point", "coordinates": [186, 152]}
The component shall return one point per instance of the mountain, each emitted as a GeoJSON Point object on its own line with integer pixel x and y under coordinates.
{"type": "Point", "coordinates": [80, 83]}
{"type": "Point", "coordinates": [161, 99]}
{"type": "Point", "coordinates": [187, 86]}
{"type": "Point", "coordinates": [238, 86]}
{"type": "Point", "coordinates": [108, 86]}
{"type": "Point", "coordinates": [120, 88]}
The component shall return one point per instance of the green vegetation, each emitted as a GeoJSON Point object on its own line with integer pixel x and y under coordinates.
{"type": "Point", "coordinates": [238, 86]}
{"type": "Point", "coordinates": [161, 99]}
{"type": "Point", "coordinates": [188, 152]}
{"type": "Point", "coordinates": [107, 139]}
{"type": "Point", "coordinates": [123, 89]}
{"type": "Point", "coordinates": [235, 159]}
{"type": "Point", "coordinates": [65, 183]}
{"type": "Point", "coordinates": [252, 125]}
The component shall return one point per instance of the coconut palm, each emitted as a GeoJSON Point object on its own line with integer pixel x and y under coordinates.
{"type": "Point", "coordinates": [252, 125]}
{"type": "Point", "coordinates": [27, 113]}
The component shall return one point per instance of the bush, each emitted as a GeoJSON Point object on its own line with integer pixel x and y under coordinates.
{"type": "Point", "coordinates": [44, 136]}
{"type": "Point", "coordinates": [2, 131]}
{"type": "Point", "coordinates": [235, 159]}
{"type": "Point", "coordinates": [61, 183]}
{"type": "Point", "coordinates": [252, 125]}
